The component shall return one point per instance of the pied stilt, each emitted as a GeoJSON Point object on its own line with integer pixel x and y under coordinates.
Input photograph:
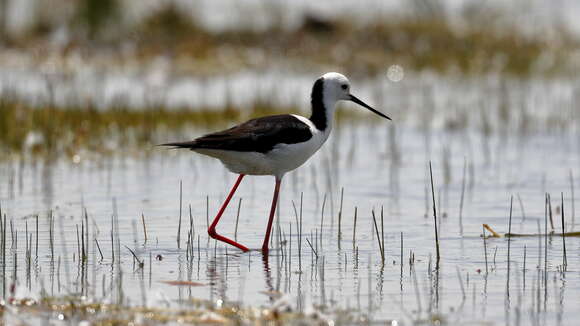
{"type": "Point", "coordinates": [274, 145]}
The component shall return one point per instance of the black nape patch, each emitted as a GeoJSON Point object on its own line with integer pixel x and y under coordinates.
{"type": "Point", "coordinates": [318, 110]}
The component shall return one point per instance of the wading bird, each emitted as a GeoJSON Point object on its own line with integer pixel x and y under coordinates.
{"type": "Point", "coordinates": [274, 145]}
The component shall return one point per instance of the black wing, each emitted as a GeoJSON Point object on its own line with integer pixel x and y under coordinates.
{"type": "Point", "coordinates": [256, 135]}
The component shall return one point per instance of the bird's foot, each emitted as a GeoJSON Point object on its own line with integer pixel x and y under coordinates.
{"type": "Point", "coordinates": [212, 233]}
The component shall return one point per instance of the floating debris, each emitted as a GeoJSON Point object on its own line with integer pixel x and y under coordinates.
{"type": "Point", "coordinates": [183, 283]}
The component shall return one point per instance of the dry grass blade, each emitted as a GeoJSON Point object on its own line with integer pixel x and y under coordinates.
{"type": "Point", "coordinates": [141, 263]}
{"type": "Point", "coordinates": [493, 233]}
{"type": "Point", "coordinates": [378, 237]}
{"type": "Point", "coordinates": [434, 215]}
{"type": "Point", "coordinates": [311, 247]}
{"type": "Point", "coordinates": [509, 246]}
{"type": "Point", "coordinates": [180, 208]}
{"type": "Point", "coordinates": [144, 227]}
{"type": "Point", "coordinates": [564, 256]}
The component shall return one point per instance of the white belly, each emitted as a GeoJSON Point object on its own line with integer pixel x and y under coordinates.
{"type": "Point", "coordinates": [278, 161]}
{"type": "Point", "coordinates": [281, 159]}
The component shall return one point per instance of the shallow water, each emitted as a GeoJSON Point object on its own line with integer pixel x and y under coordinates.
{"type": "Point", "coordinates": [380, 165]}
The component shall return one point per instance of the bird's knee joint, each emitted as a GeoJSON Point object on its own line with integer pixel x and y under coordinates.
{"type": "Point", "coordinates": [212, 233]}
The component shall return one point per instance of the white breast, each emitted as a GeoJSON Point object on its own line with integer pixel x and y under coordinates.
{"type": "Point", "coordinates": [287, 157]}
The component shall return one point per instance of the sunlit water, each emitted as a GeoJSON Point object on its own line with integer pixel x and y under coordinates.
{"type": "Point", "coordinates": [380, 165]}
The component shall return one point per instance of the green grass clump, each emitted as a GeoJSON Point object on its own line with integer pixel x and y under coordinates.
{"type": "Point", "coordinates": [486, 42]}
{"type": "Point", "coordinates": [424, 43]}
{"type": "Point", "coordinates": [50, 130]}
{"type": "Point", "coordinates": [57, 130]}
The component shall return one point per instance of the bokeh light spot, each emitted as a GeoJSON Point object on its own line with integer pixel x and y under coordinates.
{"type": "Point", "coordinates": [395, 73]}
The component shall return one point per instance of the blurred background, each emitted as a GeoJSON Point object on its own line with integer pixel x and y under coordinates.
{"type": "Point", "coordinates": [256, 56]}
{"type": "Point", "coordinates": [210, 57]}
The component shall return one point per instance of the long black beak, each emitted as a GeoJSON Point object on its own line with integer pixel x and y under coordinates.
{"type": "Point", "coordinates": [363, 104]}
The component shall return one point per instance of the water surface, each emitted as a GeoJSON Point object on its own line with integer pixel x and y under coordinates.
{"type": "Point", "coordinates": [378, 165]}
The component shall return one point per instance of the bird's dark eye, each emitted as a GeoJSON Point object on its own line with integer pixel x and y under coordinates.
{"type": "Point", "coordinates": [344, 86]}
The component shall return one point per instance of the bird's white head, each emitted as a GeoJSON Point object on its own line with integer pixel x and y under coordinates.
{"type": "Point", "coordinates": [336, 87]}
{"type": "Point", "coordinates": [327, 90]}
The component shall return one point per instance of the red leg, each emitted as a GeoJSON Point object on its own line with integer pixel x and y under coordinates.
{"type": "Point", "coordinates": [271, 219]}
{"type": "Point", "coordinates": [211, 231]}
